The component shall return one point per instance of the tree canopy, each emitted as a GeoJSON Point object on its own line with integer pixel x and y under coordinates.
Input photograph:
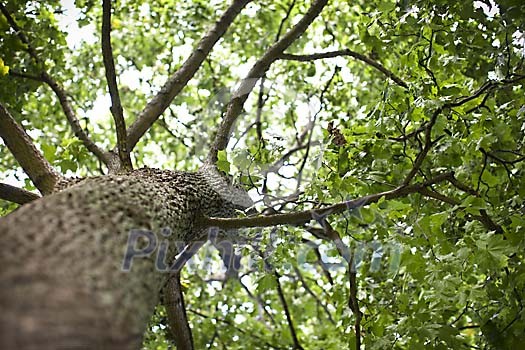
{"type": "Point", "coordinates": [398, 128]}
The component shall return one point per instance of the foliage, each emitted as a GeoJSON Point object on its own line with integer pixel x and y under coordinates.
{"type": "Point", "coordinates": [430, 273]}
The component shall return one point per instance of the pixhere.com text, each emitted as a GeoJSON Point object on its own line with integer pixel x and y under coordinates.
{"type": "Point", "coordinates": [146, 244]}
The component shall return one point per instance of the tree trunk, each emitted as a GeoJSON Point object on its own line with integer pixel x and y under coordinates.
{"type": "Point", "coordinates": [62, 283]}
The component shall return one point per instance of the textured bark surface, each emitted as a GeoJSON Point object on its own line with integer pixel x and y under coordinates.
{"type": "Point", "coordinates": [61, 278]}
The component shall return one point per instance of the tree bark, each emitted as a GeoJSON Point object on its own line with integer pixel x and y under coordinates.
{"type": "Point", "coordinates": [61, 280]}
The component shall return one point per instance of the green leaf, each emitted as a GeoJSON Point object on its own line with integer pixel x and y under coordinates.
{"type": "Point", "coordinates": [266, 283]}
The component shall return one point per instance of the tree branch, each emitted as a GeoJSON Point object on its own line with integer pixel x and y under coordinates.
{"type": "Point", "coordinates": [177, 81]}
{"type": "Point", "coordinates": [484, 218]}
{"type": "Point", "coordinates": [346, 52]}
{"type": "Point", "coordinates": [61, 94]}
{"type": "Point", "coordinates": [324, 268]}
{"type": "Point", "coordinates": [25, 76]}
{"type": "Point", "coordinates": [23, 38]}
{"type": "Point", "coordinates": [257, 71]}
{"type": "Point", "coordinates": [485, 88]}
{"type": "Point", "coordinates": [111, 78]}
{"type": "Point", "coordinates": [296, 343]}
{"type": "Point", "coordinates": [57, 89]}
{"type": "Point", "coordinates": [236, 327]}
{"type": "Point", "coordinates": [440, 197]}
{"type": "Point", "coordinates": [104, 157]}
{"type": "Point", "coordinates": [311, 132]}
{"type": "Point", "coordinates": [16, 195]}
{"type": "Point", "coordinates": [426, 148]}
{"type": "Point", "coordinates": [176, 311]}
{"type": "Point", "coordinates": [353, 301]}
{"type": "Point", "coordinates": [314, 296]}
{"type": "Point", "coordinates": [303, 217]}
{"type": "Point", "coordinates": [41, 173]}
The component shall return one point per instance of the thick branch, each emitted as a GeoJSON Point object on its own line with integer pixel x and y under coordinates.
{"type": "Point", "coordinates": [41, 173]}
{"type": "Point", "coordinates": [257, 71]}
{"type": "Point", "coordinates": [304, 217]}
{"type": "Point", "coordinates": [346, 52]}
{"type": "Point", "coordinates": [111, 78]}
{"type": "Point", "coordinates": [177, 81]}
{"type": "Point", "coordinates": [177, 319]}
{"type": "Point", "coordinates": [16, 195]}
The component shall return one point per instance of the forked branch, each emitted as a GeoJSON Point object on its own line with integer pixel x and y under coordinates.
{"type": "Point", "coordinates": [177, 81]}
{"type": "Point", "coordinates": [260, 67]}
{"type": "Point", "coordinates": [41, 173]}
{"type": "Point", "coordinates": [111, 78]}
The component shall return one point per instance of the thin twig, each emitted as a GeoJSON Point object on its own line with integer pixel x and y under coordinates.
{"type": "Point", "coordinates": [178, 81]}
{"type": "Point", "coordinates": [280, 292]}
{"type": "Point", "coordinates": [324, 268]}
{"type": "Point", "coordinates": [313, 122]}
{"type": "Point", "coordinates": [103, 156]}
{"type": "Point", "coordinates": [311, 292]}
{"type": "Point", "coordinates": [346, 52]}
{"type": "Point", "coordinates": [283, 21]}
{"type": "Point", "coordinates": [355, 305]}
{"type": "Point", "coordinates": [258, 300]}
{"type": "Point", "coordinates": [57, 89]}
{"type": "Point", "coordinates": [258, 114]}
{"type": "Point", "coordinates": [484, 218]}
{"type": "Point", "coordinates": [73, 121]}
{"type": "Point", "coordinates": [236, 327]}
{"type": "Point", "coordinates": [41, 173]}
{"type": "Point", "coordinates": [111, 78]}
{"type": "Point", "coordinates": [280, 162]}
{"type": "Point", "coordinates": [426, 148]}
{"type": "Point", "coordinates": [353, 302]}
{"type": "Point", "coordinates": [240, 96]}
{"type": "Point", "coordinates": [486, 88]}
{"type": "Point", "coordinates": [18, 31]}
{"type": "Point", "coordinates": [17, 74]}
